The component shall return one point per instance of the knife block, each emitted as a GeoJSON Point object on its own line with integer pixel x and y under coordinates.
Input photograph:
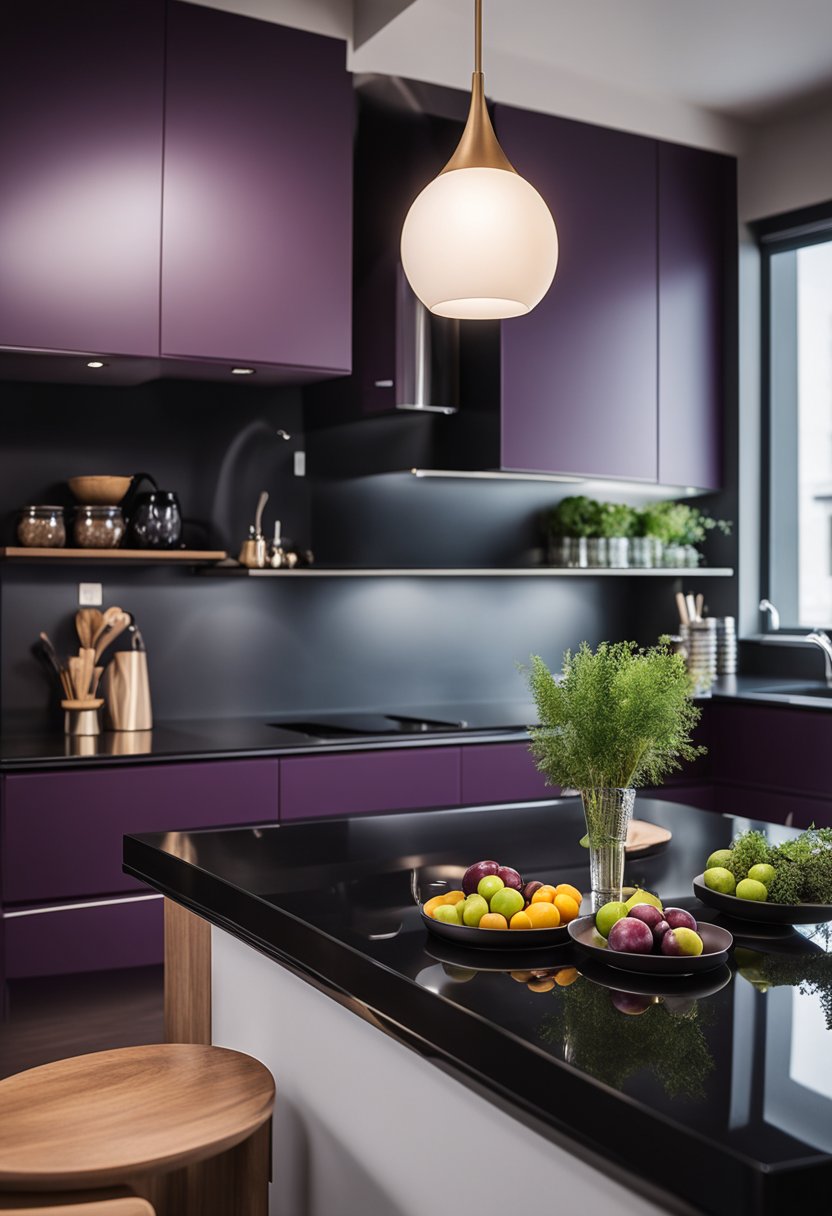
{"type": "Point", "coordinates": [127, 691]}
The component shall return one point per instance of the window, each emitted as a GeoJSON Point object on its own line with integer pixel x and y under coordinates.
{"type": "Point", "coordinates": [797, 477]}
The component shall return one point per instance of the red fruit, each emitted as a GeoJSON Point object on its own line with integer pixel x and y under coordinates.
{"type": "Point", "coordinates": [510, 877]}
{"type": "Point", "coordinates": [646, 912]}
{"type": "Point", "coordinates": [472, 876]}
{"type": "Point", "coordinates": [629, 1003]}
{"type": "Point", "coordinates": [678, 918]}
{"type": "Point", "coordinates": [529, 890]}
{"type": "Point", "coordinates": [630, 936]}
{"type": "Point", "coordinates": [659, 931]}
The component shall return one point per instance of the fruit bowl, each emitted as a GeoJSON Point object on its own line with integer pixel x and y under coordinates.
{"type": "Point", "coordinates": [760, 912]}
{"type": "Point", "coordinates": [496, 939]}
{"type": "Point", "coordinates": [717, 942]}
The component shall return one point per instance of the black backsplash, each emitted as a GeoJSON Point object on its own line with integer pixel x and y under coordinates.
{"type": "Point", "coordinates": [257, 647]}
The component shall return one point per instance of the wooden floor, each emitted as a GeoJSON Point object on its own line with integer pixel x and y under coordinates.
{"type": "Point", "coordinates": [67, 1015]}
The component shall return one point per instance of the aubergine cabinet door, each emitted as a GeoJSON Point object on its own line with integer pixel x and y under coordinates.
{"type": "Point", "coordinates": [502, 772]}
{"type": "Point", "coordinates": [697, 264]}
{"type": "Point", "coordinates": [319, 787]}
{"type": "Point", "coordinates": [257, 230]}
{"type": "Point", "coordinates": [579, 373]}
{"type": "Point", "coordinates": [81, 92]}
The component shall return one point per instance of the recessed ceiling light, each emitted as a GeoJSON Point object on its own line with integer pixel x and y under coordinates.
{"type": "Point", "coordinates": [242, 371]}
{"type": "Point", "coordinates": [96, 363]}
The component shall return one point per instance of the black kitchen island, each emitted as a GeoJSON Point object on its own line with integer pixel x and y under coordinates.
{"type": "Point", "coordinates": [459, 1084]}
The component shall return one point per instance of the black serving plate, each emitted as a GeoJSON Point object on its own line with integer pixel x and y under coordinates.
{"type": "Point", "coordinates": [662, 986]}
{"type": "Point", "coordinates": [717, 942]}
{"type": "Point", "coordinates": [761, 913]}
{"type": "Point", "coordinates": [497, 939]}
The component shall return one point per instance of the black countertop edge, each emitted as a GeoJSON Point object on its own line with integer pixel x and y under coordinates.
{"type": "Point", "coordinates": [185, 740]}
{"type": "Point", "coordinates": [641, 1148]}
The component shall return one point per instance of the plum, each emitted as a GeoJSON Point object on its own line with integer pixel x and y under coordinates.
{"type": "Point", "coordinates": [627, 1002]}
{"type": "Point", "coordinates": [678, 918]}
{"type": "Point", "coordinates": [510, 878]}
{"type": "Point", "coordinates": [682, 941]}
{"type": "Point", "coordinates": [658, 932]}
{"type": "Point", "coordinates": [646, 912]}
{"type": "Point", "coordinates": [631, 936]}
{"type": "Point", "coordinates": [529, 890]}
{"type": "Point", "coordinates": [472, 876]}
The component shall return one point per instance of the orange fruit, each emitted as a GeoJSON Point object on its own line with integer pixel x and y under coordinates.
{"type": "Point", "coordinates": [543, 895]}
{"type": "Point", "coordinates": [493, 920]}
{"type": "Point", "coordinates": [520, 921]}
{"type": "Point", "coordinates": [543, 915]}
{"type": "Point", "coordinates": [522, 977]}
{"type": "Point", "coordinates": [567, 907]}
{"type": "Point", "coordinates": [432, 904]}
{"type": "Point", "coordinates": [565, 889]}
{"type": "Point", "coordinates": [454, 897]}
{"type": "Point", "coordinates": [541, 985]}
{"type": "Point", "coordinates": [566, 976]}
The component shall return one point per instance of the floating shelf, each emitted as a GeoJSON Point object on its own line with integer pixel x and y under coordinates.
{"type": "Point", "coordinates": [147, 557]}
{"type": "Point", "coordinates": [465, 572]}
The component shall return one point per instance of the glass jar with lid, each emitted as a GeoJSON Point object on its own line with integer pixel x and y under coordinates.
{"type": "Point", "coordinates": [98, 527]}
{"type": "Point", "coordinates": [41, 527]}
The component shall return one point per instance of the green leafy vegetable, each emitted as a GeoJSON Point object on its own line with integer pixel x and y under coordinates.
{"type": "Point", "coordinates": [803, 866]}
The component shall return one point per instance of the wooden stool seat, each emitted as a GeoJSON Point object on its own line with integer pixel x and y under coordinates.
{"type": "Point", "coordinates": [127, 1206]}
{"type": "Point", "coordinates": [99, 1120]}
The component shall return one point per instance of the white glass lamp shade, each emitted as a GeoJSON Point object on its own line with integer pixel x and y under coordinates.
{"type": "Point", "coordinates": [479, 244]}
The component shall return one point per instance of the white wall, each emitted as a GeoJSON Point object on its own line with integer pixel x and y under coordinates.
{"type": "Point", "coordinates": [787, 165]}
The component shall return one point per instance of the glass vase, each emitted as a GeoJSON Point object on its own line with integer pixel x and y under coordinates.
{"type": "Point", "coordinates": [608, 814]}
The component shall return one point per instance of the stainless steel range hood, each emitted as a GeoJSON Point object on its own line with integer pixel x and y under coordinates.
{"type": "Point", "coordinates": [426, 357]}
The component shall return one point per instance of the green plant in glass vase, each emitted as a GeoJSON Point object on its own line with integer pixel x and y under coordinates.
{"type": "Point", "coordinates": [618, 717]}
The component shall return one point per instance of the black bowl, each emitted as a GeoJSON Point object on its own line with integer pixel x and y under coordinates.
{"type": "Point", "coordinates": [761, 913]}
{"type": "Point", "coordinates": [634, 984]}
{"type": "Point", "coordinates": [717, 942]}
{"type": "Point", "coordinates": [497, 939]}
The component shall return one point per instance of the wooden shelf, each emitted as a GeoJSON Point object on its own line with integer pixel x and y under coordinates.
{"type": "Point", "coordinates": [442, 572]}
{"type": "Point", "coordinates": [147, 557]}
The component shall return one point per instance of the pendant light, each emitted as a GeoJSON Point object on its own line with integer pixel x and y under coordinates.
{"type": "Point", "coordinates": [479, 242]}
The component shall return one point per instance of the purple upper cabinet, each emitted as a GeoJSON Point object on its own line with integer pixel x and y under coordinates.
{"type": "Point", "coordinates": [579, 390]}
{"type": "Point", "coordinates": [257, 232]}
{"type": "Point", "coordinates": [81, 88]}
{"type": "Point", "coordinates": [697, 256]}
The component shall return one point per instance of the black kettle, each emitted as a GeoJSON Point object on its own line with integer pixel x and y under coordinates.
{"type": "Point", "coordinates": [154, 519]}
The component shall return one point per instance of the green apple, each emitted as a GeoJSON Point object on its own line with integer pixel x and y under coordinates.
{"type": "Point", "coordinates": [507, 902]}
{"type": "Point", "coordinates": [717, 878]}
{"type": "Point", "coordinates": [475, 910]}
{"type": "Point", "coordinates": [762, 873]}
{"type": "Point", "coordinates": [607, 915]}
{"type": "Point", "coordinates": [644, 897]}
{"type": "Point", "coordinates": [447, 913]}
{"type": "Point", "coordinates": [720, 859]}
{"type": "Point", "coordinates": [749, 888]}
{"type": "Point", "coordinates": [489, 886]}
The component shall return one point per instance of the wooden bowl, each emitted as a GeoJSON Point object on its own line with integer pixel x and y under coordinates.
{"type": "Point", "coordinates": [100, 491]}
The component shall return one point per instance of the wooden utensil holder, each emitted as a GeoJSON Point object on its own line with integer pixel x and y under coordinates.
{"type": "Point", "coordinates": [81, 717]}
{"type": "Point", "coordinates": [127, 691]}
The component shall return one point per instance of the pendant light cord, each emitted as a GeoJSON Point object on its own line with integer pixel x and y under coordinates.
{"type": "Point", "coordinates": [478, 36]}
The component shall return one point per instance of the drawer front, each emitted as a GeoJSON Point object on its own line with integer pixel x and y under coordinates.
{"type": "Point", "coordinates": [772, 747]}
{"type": "Point", "coordinates": [700, 795]}
{"type": "Point", "coordinates": [96, 937]}
{"type": "Point", "coordinates": [313, 787]}
{"type": "Point", "coordinates": [62, 832]}
{"type": "Point", "coordinates": [795, 810]}
{"type": "Point", "coordinates": [502, 772]}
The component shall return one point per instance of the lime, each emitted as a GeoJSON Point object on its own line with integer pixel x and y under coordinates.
{"type": "Point", "coordinates": [447, 913]}
{"type": "Point", "coordinates": [721, 858]}
{"type": "Point", "coordinates": [475, 909]}
{"type": "Point", "coordinates": [749, 888]}
{"type": "Point", "coordinates": [489, 886]}
{"type": "Point", "coordinates": [643, 897]}
{"type": "Point", "coordinates": [720, 879]}
{"type": "Point", "coordinates": [607, 915]}
{"type": "Point", "coordinates": [507, 902]}
{"type": "Point", "coordinates": [762, 873]}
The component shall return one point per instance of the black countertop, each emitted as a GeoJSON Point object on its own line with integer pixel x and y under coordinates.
{"type": "Point", "coordinates": [720, 1097]}
{"type": "Point", "coordinates": [24, 744]}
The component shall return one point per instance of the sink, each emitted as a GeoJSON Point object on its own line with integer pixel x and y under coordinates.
{"type": "Point", "coordinates": [820, 691]}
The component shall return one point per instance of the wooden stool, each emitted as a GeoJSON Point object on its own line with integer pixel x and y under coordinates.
{"type": "Point", "coordinates": [56, 1205]}
{"type": "Point", "coordinates": [184, 1125]}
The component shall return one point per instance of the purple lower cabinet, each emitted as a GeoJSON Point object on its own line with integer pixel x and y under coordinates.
{"type": "Point", "coordinates": [700, 794]}
{"type": "Point", "coordinates": [100, 937]}
{"type": "Point", "coordinates": [313, 787]}
{"type": "Point", "coordinates": [502, 772]}
{"type": "Point", "coordinates": [81, 94]}
{"type": "Point", "coordinates": [62, 831]}
{"type": "Point", "coordinates": [778, 748]}
{"type": "Point", "coordinates": [257, 230]}
{"type": "Point", "coordinates": [795, 810]}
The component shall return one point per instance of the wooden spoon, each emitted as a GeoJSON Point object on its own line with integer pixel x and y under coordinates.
{"type": "Point", "coordinates": [108, 615]}
{"type": "Point", "coordinates": [87, 623]}
{"type": "Point", "coordinates": [113, 629]}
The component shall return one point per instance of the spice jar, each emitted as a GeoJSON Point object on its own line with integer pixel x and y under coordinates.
{"type": "Point", "coordinates": [41, 527]}
{"type": "Point", "coordinates": [98, 527]}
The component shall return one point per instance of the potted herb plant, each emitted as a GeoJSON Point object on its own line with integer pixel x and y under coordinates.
{"type": "Point", "coordinates": [616, 523]}
{"type": "Point", "coordinates": [680, 529]}
{"type": "Point", "coordinates": [570, 524]}
{"type": "Point", "coordinates": [618, 717]}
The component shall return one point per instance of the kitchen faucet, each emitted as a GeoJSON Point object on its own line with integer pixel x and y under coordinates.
{"type": "Point", "coordinates": [774, 615]}
{"type": "Point", "coordinates": [821, 639]}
